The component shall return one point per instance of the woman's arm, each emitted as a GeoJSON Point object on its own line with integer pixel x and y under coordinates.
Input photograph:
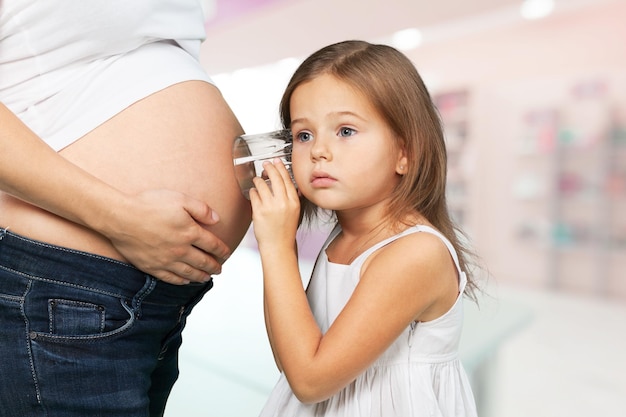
{"type": "Point", "coordinates": [397, 287]}
{"type": "Point", "coordinates": [160, 231]}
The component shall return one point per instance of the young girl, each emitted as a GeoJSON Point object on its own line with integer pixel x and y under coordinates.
{"type": "Point", "coordinates": [377, 331]}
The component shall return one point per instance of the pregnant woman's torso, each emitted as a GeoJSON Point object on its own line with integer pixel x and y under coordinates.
{"type": "Point", "coordinates": [178, 138]}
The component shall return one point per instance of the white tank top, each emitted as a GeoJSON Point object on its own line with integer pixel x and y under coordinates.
{"type": "Point", "coordinates": [66, 66]}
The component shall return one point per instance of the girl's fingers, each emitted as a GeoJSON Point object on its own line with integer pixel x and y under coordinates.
{"type": "Point", "coordinates": [284, 172]}
{"type": "Point", "coordinates": [276, 181]}
{"type": "Point", "coordinates": [280, 183]}
{"type": "Point", "coordinates": [261, 187]}
{"type": "Point", "coordinates": [286, 182]}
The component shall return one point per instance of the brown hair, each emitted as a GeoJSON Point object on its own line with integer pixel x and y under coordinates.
{"type": "Point", "coordinates": [394, 87]}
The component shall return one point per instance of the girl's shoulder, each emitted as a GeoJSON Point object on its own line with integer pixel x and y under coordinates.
{"type": "Point", "coordinates": [420, 242]}
{"type": "Point", "coordinates": [420, 263]}
{"type": "Point", "coordinates": [419, 246]}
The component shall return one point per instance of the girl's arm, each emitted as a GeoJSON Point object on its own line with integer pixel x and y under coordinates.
{"type": "Point", "coordinates": [270, 336]}
{"type": "Point", "coordinates": [398, 286]}
{"type": "Point", "coordinates": [160, 232]}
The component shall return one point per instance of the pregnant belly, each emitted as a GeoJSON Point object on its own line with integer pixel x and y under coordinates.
{"type": "Point", "coordinates": [179, 138]}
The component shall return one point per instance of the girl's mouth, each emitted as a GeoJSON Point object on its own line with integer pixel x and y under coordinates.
{"type": "Point", "coordinates": [322, 180]}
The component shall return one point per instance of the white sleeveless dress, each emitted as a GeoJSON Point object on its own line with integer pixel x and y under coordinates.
{"type": "Point", "coordinates": [419, 375]}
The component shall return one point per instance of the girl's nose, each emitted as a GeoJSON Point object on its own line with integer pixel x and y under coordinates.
{"type": "Point", "coordinates": [320, 150]}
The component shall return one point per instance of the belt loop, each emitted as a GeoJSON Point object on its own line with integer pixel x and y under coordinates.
{"type": "Point", "coordinates": [3, 232]}
{"type": "Point", "coordinates": [143, 293]}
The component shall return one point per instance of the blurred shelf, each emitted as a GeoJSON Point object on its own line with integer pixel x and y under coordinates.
{"type": "Point", "coordinates": [572, 167]}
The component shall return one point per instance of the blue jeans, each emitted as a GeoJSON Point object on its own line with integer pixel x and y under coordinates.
{"type": "Point", "coordinates": [85, 336]}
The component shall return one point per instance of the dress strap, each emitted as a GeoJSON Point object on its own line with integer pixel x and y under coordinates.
{"type": "Point", "coordinates": [331, 236]}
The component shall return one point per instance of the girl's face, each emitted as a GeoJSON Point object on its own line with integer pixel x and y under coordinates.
{"type": "Point", "coordinates": [344, 154]}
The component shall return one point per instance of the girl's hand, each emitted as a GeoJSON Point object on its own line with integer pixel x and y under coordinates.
{"type": "Point", "coordinates": [275, 209]}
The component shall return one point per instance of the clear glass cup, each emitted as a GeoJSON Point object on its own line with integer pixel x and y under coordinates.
{"type": "Point", "coordinates": [250, 151]}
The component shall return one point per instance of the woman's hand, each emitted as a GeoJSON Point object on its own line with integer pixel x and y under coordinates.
{"type": "Point", "coordinates": [163, 233]}
{"type": "Point", "coordinates": [275, 208]}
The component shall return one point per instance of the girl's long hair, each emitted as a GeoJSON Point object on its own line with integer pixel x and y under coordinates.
{"type": "Point", "coordinates": [394, 87]}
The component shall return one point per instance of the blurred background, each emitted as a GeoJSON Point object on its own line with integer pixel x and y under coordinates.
{"type": "Point", "coordinates": [533, 98]}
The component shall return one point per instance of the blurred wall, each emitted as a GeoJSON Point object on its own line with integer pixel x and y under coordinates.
{"type": "Point", "coordinates": [543, 81]}
{"type": "Point", "coordinates": [535, 115]}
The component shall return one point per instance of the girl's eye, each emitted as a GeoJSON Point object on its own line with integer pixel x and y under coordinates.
{"type": "Point", "coordinates": [304, 137]}
{"type": "Point", "coordinates": [346, 131]}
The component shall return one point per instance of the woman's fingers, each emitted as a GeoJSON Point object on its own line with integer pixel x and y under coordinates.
{"type": "Point", "coordinates": [165, 235]}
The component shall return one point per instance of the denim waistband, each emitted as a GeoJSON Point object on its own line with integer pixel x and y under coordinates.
{"type": "Point", "coordinates": [43, 261]}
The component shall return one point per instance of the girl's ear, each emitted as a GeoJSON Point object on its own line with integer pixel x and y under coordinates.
{"type": "Point", "coordinates": [402, 165]}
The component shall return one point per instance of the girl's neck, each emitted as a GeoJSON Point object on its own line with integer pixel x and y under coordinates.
{"type": "Point", "coordinates": [358, 233]}
{"type": "Point", "coordinates": [347, 246]}
{"type": "Point", "coordinates": [355, 225]}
